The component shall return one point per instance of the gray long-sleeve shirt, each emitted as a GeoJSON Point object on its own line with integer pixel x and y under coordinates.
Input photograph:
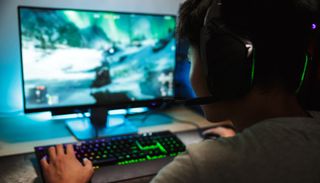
{"type": "Point", "coordinates": [274, 150]}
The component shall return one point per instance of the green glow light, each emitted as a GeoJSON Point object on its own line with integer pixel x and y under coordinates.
{"type": "Point", "coordinates": [161, 147]}
{"type": "Point", "coordinates": [253, 67]}
{"type": "Point", "coordinates": [303, 73]}
{"type": "Point", "coordinates": [158, 145]}
{"type": "Point", "coordinates": [148, 157]}
{"type": "Point", "coordinates": [173, 154]}
{"type": "Point", "coordinates": [126, 162]}
{"type": "Point", "coordinates": [155, 157]}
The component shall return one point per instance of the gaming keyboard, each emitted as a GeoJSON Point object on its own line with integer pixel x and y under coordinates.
{"type": "Point", "coordinates": [124, 149]}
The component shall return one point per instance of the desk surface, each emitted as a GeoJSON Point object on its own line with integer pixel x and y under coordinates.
{"type": "Point", "coordinates": [19, 135]}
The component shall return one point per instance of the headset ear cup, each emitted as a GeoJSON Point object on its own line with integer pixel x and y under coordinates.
{"type": "Point", "coordinates": [226, 64]}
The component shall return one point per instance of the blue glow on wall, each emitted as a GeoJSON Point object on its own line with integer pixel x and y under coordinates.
{"type": "Point", "coordinates": [10, 85]}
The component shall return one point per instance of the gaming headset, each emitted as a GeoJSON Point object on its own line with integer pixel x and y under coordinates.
{"type": "Point", "coordinates": [228, 60]}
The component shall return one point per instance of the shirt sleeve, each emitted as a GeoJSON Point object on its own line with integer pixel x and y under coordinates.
{"type": "Point", "coordinates": [181, 169]}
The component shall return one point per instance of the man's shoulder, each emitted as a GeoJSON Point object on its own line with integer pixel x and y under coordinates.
{"type": "Point", "coordinates": [209, 153]}
{"type": "Point", "coordinates": [256, 141]}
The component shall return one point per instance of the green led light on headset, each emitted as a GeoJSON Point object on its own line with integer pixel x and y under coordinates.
{"type": "Point", "coordinates": [253, 67]}
{"type": "Point", "coordinates": [303, 75]}
{"type": "Point", "coordinates": [302, 78]}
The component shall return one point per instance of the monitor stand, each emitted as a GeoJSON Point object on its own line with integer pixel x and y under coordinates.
{"type": "Point", "coordinates": [100, 124]}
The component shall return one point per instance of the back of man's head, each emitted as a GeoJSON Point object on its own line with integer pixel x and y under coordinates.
{"type": "Point", "coordinates": [279, 30]}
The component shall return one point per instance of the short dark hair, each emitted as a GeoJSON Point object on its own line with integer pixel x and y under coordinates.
{"type": "Point", "coordinates": [279, 29]}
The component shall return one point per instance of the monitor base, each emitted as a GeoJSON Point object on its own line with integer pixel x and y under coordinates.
{"type": "Point", "coordinates": [83, 129]}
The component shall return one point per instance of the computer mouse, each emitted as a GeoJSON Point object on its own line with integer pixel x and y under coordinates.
{"type": "Point", "coordinates": [210, 135]}
{"type": "Point", "coordinates": [214, 133]}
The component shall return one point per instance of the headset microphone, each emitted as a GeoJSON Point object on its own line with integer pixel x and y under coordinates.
{"type": "Point", "coordinates": [192, 101]}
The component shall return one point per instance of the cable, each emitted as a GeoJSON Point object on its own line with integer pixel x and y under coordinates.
{"type": "Point", "coordinates": [198, 128]}
{"type": "Point", "coordinates": [154, 113]}
{"type": "Point", "coordinates": [147, 114]}
{"type": "Point", "coordinates": [150, 113]}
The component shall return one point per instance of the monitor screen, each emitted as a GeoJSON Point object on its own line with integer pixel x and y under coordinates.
{"type": "Point", "coordinates": [74, 58]}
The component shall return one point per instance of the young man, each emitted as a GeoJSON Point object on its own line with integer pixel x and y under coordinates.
{"type": "Point", "coordinates": [277, 140]}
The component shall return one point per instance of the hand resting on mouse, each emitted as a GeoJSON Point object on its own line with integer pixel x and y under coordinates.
{"type": "Point", "coordinates": [219, 131]}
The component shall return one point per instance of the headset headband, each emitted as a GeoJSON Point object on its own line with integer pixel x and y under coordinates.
{"type": "Point", "coordinates": [214, 11]}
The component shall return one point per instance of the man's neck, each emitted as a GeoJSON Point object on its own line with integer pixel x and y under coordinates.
{"type": "Point", "coordinates": [259, 105]}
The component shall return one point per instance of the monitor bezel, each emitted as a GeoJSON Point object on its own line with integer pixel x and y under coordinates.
{"type": "Point", "coordinates": [74, 108]}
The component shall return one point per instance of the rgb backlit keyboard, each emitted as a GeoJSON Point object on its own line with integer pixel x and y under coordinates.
{"type": "Point", "coordinates": [125, 149]}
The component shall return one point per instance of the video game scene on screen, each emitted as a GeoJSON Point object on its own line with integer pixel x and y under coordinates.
{"type": "Point", "coordinates": [73, 57]}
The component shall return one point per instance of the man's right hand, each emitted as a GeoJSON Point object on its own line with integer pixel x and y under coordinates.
{"type": "Point", "coordinates": [220, 131]}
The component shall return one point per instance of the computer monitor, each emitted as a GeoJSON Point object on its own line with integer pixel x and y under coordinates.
{"type": "Point", "coordinates": [85, 59]}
